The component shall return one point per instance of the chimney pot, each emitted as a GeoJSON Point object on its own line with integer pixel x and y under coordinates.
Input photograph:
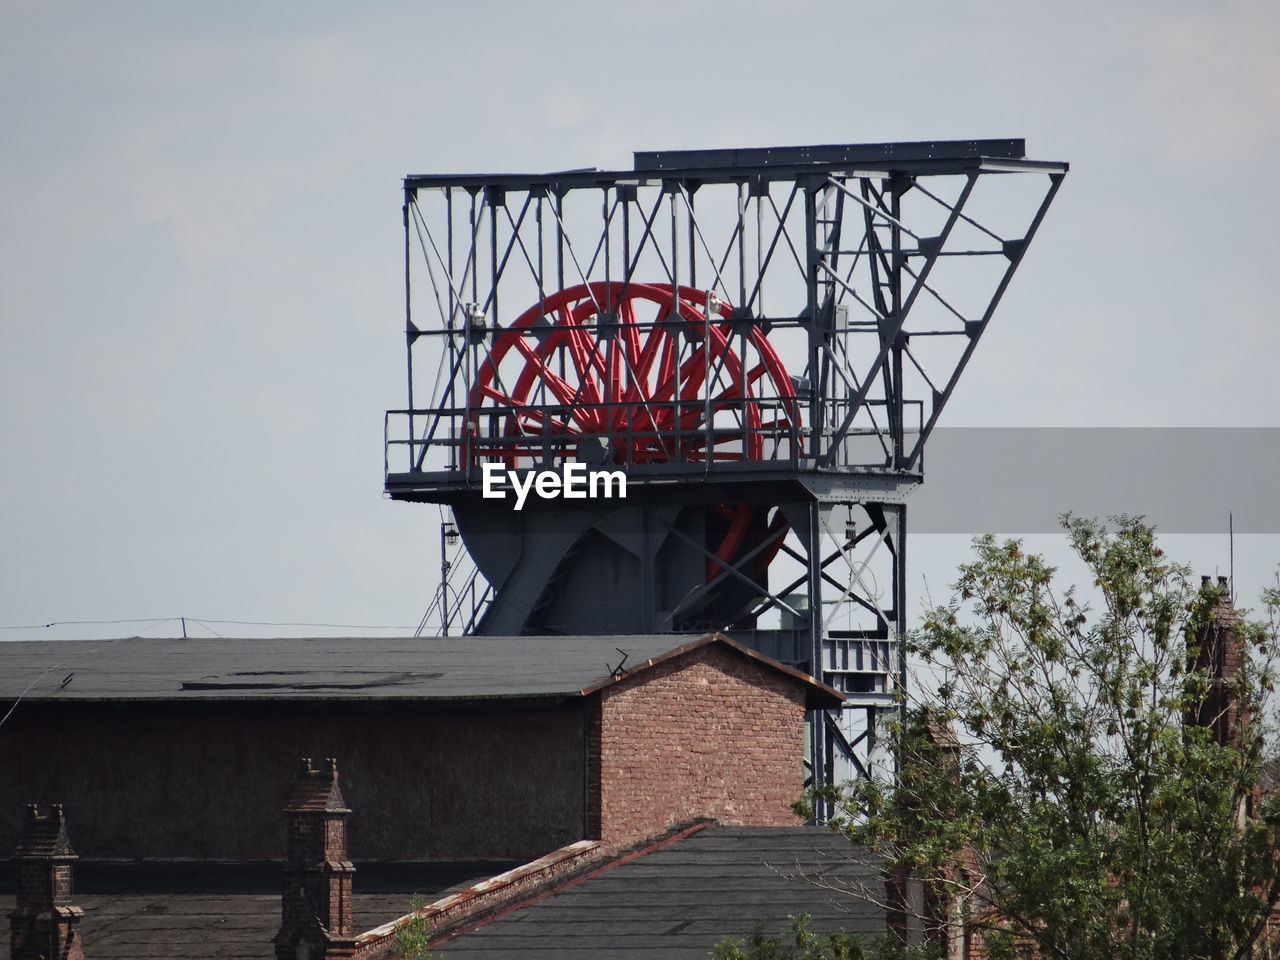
{"type": "Point", "coordinates": [44, 922]}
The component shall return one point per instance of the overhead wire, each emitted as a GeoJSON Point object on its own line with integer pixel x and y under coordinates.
{"type": "Point", "coordinates": [150, 621]}
{"type": "Point", "coordinates": [205, 621]}
{"type": "Point", "coordinates": [49, 670]}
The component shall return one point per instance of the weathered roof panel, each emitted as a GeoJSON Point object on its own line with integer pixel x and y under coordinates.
{"type": "Point", "coordinates": [676, 903]}
{"type": "Point", "coordinates": [346, 668]}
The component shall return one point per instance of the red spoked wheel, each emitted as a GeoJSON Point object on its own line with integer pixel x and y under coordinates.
{"type": "Point", "coordinates": [638, 367]}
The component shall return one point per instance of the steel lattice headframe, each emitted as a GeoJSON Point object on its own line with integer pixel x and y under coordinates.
{"type": "Point", "coordinates": [840, 261]}
{"type": "Point", "coordinates": [761, 340]}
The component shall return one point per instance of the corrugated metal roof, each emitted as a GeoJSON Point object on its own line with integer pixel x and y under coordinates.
{"type": "Point", "coordinates": [346, 668]}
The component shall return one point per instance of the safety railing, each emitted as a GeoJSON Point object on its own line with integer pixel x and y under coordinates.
{"type": "Point", "coordinates": [710, 436]}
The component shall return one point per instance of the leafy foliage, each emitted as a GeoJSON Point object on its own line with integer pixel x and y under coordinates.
{"type": "Point", "coordinates": [800, 943]}
{"type": "Point", "coordinates": [1084, 804]}
{"type": "Point", "coordinates": [414, 934]}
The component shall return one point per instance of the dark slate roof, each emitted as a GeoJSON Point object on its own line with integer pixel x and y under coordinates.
{"type": "Point", "coordinates": [677, 902]}
{"type": "Point", "coordinates": [347, 668]}
{"type": "Point", "coordinates": [226, 911]}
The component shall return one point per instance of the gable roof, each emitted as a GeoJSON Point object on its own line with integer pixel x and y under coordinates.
{"type": "Point", "coordinates": [677, 902]}
{"type": "Point", "coordinates": [432, 669]}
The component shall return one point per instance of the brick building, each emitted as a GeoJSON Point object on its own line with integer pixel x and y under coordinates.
{"type": "Point", "coordinates": [451, 747]}
{"type": "Point", "coordinates": [463, 758]}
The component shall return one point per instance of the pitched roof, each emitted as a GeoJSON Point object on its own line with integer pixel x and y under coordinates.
{"type": "Point", "coordinates": [348, 668]}
{"type": "Point", "coordinates": [677, 902]}
{"type": "Point", "coordinates": [671, 904]}
{"type": "Point", "coordinates": [226, 910]}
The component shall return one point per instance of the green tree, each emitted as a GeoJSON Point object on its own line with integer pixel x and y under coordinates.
{"type": "Point", "coordinates": [801, 943]}
{"type": "Point", "coordinates": [1071, 780]}
{"type": "Point", "coordinates": [413, 935]}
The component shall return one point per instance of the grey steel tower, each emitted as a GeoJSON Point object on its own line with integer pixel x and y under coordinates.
{"type": "Point", "coordinates": [759, 340]}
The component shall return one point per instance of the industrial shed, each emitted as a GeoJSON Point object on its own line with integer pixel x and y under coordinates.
{"type": "Point", "coordinates": [476, 747]}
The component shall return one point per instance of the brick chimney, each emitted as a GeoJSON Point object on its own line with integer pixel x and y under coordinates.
{"type": "Point", "coordinates": [1220, 654]}
{"type": "Point", "coordinates": [915, 912]}
{"type": "Point", "coordinates": [43, 925]}
{"type": "Point", "coordinates": [315, 908]}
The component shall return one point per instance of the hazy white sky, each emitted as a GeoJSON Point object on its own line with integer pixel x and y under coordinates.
{"type": "Point", "coordinates": [200, 258]}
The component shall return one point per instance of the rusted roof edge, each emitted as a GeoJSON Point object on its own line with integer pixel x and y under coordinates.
{"type": "Point", "coordinates": [817, 694]}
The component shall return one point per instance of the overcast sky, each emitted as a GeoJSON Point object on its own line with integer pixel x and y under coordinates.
{"type": "Point", "coordinates": [200, 258]}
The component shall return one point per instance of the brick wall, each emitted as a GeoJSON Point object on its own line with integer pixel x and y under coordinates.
{"type": "Point", "coordinates": [709, 733]}
{"type": "Point", "coordinates": [156, 781]}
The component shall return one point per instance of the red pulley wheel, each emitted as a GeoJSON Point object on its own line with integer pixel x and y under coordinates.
{"type": "Point", "coordinates": [638, 367]}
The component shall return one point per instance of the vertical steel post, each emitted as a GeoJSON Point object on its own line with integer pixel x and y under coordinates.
{"type": "Point", "coordinates": [742, 245]}
{"type": "Point", "coordinates": [900, 610]}
{"type": "Point", "coordinates": [677, 412]}
{"type": "Point", "coordinates": [692, 238]}
{"type": "Point", "coordinates": [811, 309]}
{"type": "Point", "coordinates": [818, 725]}
{"type": "Point", "coordinates": [559, 201]}
{"type": "Point", "coordinates": [444, 585]}
{"type": "Point", "coordinates": [896, 421]}
{"type": "Point", "coordinates": [493, 259]}
{"type": "Point", "coordinates": [453, 303]}
{"type": "Point", "coordinates": [408, 321]}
